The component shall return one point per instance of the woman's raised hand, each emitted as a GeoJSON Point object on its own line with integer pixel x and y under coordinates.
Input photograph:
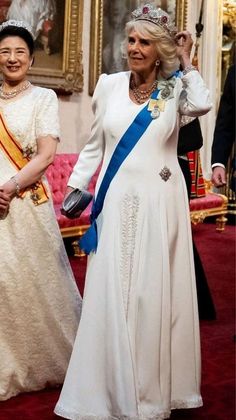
{"type": "Point", "coordinates": [184, 44]}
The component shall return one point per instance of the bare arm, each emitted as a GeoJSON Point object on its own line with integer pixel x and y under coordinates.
{"type": "Point", "coordinates": [32, 171]}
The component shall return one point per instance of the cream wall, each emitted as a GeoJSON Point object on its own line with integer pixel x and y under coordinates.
{"type": "Point", "coordinates": [75, 110]}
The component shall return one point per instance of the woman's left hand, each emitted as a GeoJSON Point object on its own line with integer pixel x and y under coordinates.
{"type": "Point", "coordinates": [184, 44]}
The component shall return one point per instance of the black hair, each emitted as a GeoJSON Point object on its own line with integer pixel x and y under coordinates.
{"type": "Point", "coordinates": [21, 32]}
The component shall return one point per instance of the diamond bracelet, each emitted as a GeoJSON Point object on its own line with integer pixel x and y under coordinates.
{"type": "Point", "coordinates": [189, 68]}
{"type": "Point", "coordinates": [13, 179]}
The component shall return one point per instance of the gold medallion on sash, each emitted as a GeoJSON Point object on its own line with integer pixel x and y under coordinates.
{"type": "Point", "coordinates": [18, 158]}
{"type": "Point", "coordinates": [165, 92]}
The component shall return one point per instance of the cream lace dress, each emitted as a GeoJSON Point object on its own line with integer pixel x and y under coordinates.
{"type": "Point", "coordinates": [137, 351]}
{"type": "Point", "coordinates": [39, 301]}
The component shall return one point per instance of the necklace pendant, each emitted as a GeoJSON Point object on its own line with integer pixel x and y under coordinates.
{"type": "Point", "coordinates": [155, 112]}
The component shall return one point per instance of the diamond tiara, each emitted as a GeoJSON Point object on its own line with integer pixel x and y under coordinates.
{"type": "Point", "coordinates": [159, 17]}
{"type": "Point", "coordinates": [18, 24]}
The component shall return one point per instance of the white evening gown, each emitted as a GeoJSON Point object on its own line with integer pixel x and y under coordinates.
{"type": "Point", "coordinates": [39, 301]}
{"type": "Point", "coordinates": [137, 350]}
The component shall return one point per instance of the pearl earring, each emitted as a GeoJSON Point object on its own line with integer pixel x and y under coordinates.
{"type": "Point", "coordinates": [157, 62]}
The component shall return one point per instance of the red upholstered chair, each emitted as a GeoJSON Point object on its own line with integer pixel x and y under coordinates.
{"type": "Point", "coordinates": [213, 204]}
{"type": "Point", "coordinates": [59, 171]}
{"type": "Point", "coordinates": [58, 174]}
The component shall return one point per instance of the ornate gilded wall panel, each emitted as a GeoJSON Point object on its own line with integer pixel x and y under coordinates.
{"type": "Point", "coordinates": [58, 41]}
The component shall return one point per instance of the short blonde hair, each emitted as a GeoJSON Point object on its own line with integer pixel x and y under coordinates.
{"type": "Point", "coordinates": [165, 44]}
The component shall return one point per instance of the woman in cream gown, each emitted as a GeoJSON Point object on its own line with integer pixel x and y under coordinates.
{"type": "Point", "coordinates": [137, 350]}
{"type": "Point", "coordinates": [39, 300]}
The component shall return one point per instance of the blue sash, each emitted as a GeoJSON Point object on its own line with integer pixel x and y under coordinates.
{"type": "Point", "coordinates": [88, 242]}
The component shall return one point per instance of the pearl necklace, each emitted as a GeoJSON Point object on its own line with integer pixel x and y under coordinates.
{"type": "Point", "coordinates": [142, 95]}
{"type": "Point", "coordinates": [15, 92]}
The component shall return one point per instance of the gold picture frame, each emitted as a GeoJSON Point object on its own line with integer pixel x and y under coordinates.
{"type": "Point", "coordinates": [96, 33]}
{"type": "Point", "coordinates": [58, 42]}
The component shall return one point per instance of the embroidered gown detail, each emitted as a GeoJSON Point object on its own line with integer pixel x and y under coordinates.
{"type": "Point", "coordinates": [39, 300]}
{"type": "Point", "coordinates": [137, 350]}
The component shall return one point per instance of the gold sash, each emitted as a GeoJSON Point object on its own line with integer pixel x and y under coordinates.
{"type": "Point", "coordinates": [14, 152]}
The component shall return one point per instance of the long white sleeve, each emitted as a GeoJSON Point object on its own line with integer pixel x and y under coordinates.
{"type": "Point", "coordinates": [92, 154]}
{"type": "Point", "coordinates": [194, 98]}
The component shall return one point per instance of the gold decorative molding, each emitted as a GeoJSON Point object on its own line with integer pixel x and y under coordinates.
{"type": "Point", "coordinates": [69, 77]}
{"type": "Point", "coordinates": [75, 232]}
{"type": "Point", "coordinates": [228, 39]}
{"type": "Point", "coordinates": [198, 216]}
{"type": "Point", "coordinates": [181, 14]}
{"type": "Point", "coordinates": [229, 14]}
{"type": "Point", "coordinates": [96, 31]}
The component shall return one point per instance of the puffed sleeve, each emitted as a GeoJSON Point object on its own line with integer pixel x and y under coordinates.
{"type": "Point", "coordinates": [47, 118]}
{"type": "Point", "coordinates": [92, 154]}
{"type": "Point", "coordinates": [194, 99]}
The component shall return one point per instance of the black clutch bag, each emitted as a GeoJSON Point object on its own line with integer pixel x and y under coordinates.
{"type": "Point", "coordinates": [75, 203]}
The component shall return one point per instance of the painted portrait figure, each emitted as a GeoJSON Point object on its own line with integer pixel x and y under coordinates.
{"type": "Point", "coordinates": [39, 14]}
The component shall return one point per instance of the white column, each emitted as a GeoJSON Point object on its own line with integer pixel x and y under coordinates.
{"type": "Point", "coordinates": [209, 63]}
{"type": "Point", "coordinates": [210, 68]}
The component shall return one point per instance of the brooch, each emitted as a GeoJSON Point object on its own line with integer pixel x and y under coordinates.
{"type": "Point", "coordinates": [28, 151]}
{"type": "Point", "coordinates": [166, 89]}
{"type": "Point", "coordinates": [165, 173]}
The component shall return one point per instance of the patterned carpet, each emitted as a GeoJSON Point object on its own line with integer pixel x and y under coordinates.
{"type": "Point", "coordinates": [217, 251]}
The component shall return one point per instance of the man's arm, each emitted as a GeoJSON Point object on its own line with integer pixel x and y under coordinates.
{"type": "Point", "coordinates": [224, 133]}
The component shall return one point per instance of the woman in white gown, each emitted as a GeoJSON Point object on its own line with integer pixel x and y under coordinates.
{"type": "Point", "coordinates": [137, 350]}
{"type": "Point", "coordinates": [39, 301]}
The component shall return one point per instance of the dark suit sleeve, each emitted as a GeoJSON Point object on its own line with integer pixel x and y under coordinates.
{"type": "Point", "coordinates": [224, 134]}
{"type": "Point", "coordinates": [190, 137]}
